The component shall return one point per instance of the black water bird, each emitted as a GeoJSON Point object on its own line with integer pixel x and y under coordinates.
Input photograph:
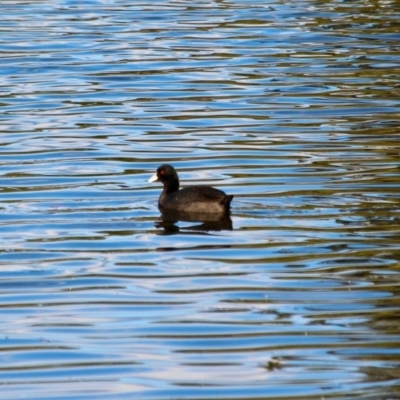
{"type": "Point", "coordinates": [200, 200]}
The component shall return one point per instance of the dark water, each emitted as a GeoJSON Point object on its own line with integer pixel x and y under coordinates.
{"type": "Point", "coordinates": [293, 106]}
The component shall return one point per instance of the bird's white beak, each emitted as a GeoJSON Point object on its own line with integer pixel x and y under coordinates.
{"type": "Point", "coordinates": [154, 178]}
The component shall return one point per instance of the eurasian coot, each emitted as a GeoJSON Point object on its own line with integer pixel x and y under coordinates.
{"type": "Point", "coordinates": [192, 199]}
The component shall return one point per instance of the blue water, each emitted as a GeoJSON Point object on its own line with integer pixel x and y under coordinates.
{"type": "Point", "coordinates": [293, 107]}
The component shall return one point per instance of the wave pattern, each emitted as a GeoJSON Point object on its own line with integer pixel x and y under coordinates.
{"type": "Point", "coordinates": [291, 106]}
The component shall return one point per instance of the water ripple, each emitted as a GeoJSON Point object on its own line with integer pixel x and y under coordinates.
{"type": "Point", "coordinates": [292, 107]}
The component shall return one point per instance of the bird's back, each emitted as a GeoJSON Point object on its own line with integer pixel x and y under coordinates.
{"type": "Point", "coordinates": [202, 199]}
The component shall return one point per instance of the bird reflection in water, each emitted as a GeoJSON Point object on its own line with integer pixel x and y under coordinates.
{"type": "Point", "coordinates": [203, 222]}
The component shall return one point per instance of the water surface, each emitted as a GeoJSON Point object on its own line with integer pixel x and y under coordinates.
{"type": "Point", "coordinates": [293, 107]}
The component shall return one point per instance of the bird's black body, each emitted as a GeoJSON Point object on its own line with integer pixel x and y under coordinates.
{"type": "Point", "coordinates": [192, 199]}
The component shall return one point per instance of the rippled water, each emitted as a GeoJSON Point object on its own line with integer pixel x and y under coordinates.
{"type": "Point", "coordinates": [291, 106]}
